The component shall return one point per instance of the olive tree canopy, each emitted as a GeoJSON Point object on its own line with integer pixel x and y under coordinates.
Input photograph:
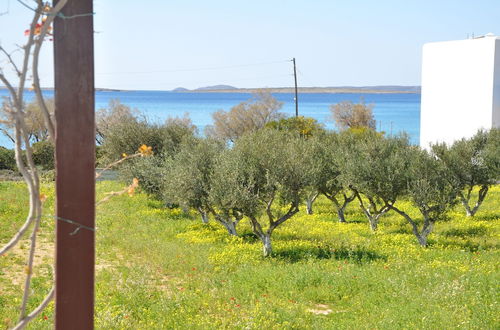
{"type": "Point", "coordinates": [472, 163]}
{"type": "Point", "coordinates": [263, 177]}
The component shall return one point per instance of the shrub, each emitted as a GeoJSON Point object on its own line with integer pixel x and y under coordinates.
{"type": "Point", "coordinates": [150, 172]}
{"type": "Point", "coordinates": [128, 135]}
{"type": "Point", "coordinates": [7, 159]}
{"type": "Point", "coordinates": [245, 117]}
{"type": "Point", "coordinates": [347, 114]}
{"type": "Point", "coordinates": [43, 154]}
{"type": "Point", "coordinates": [304, 126]}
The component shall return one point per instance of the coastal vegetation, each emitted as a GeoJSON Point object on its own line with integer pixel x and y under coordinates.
{"type": "Point", "coordinates": [266, 172]}
{"type": "Point", "coordinates": [225, 224]}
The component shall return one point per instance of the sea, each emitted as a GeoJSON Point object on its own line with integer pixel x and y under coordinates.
{"type": "Point", "coordinates": [393, 112]}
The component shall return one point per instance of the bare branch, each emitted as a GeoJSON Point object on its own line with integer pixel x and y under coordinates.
{"type": "Point", "coordinates": [268, 209]}
{"type": "Point", "coordinates": [31, 258]}
{"type": "Point", "coordinates": [130, 190]}
{"type": "Point", "coordinates": [36, 52]}
{"type": "Point", "coordinates": [11, 61]}
{"type": "Point", "coordinates": [6, 133]}
{"type": "Point", "coordinates": [119, 161]}
{"type": "Point", "coordinates": [22, 324]}
{"type": "Point", "coordinates": [16, 237]}
{"type": "Point", "coordinates": [7, 84]}
{"type": "Point", "coordinates": [18, 101]}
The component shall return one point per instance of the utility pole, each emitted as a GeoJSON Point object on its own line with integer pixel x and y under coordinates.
{"type": "Point", "coordinates": [75, 162]}
{"type": "Point", "coordinates": [296, 91]}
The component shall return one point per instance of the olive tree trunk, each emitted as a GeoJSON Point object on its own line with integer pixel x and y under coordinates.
{"type": "Point", "coordinates": [231, 227]}
{"type": "Point", "coordinates": [267, 248]}
{"type": "Point", "coordinates": [204, 215]}
{"type": "Point", "coordinates": [427, 227]}
{"type": "Point", "coordinates": [229, 222]}
{"type": "Point", "coordinates": [340, 206]}
{"type": "Point", "coordinates": [309, 202]}
{"type": "Point", "coordinates": [265, 236]}
{"type": "Point", "coordinates": [465, 200]}
{"type": "Point", "coordinates": [372, 212]}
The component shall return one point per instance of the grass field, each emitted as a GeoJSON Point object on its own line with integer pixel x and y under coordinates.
{"type": "Point", "coordinates": [160, 269]}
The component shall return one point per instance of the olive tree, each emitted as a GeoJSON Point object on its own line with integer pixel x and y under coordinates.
{"type": "Point", "coordinates": [430, 189]}
{"type": "Point", "coordinates": [375, 168]}
{"type": "Point", "coordinates": [189, 174]}
{"type": "Point", "coordinates": [306, 128]}
{"type": "Point", "coordinates": [248, 116]}
{"type": "Point", "coordinates": [113, 115]}
{"type": "Point", "coordinates": [323, 167]}
{"type": "Point", "coordinates": [471, 163]}
{"type": "Point", "coordinates": [263, 177]}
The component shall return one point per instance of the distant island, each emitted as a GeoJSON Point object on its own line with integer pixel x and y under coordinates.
{"type": "Point", "coordinates": [390, 89]}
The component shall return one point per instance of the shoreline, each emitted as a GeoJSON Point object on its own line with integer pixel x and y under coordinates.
{"type": "Point", "coordinates": [272, 90]}
{"type": "Point", "coordinates": [304, 90]}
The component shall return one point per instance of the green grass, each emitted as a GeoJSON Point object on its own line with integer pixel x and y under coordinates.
{"type": "Point", "coordinates": [161, 269]}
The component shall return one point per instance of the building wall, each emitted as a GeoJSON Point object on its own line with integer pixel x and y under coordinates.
{"type": "Point", "coordinates": [460, 89]}
{"type": "Point", "coordinates": [496, 88]}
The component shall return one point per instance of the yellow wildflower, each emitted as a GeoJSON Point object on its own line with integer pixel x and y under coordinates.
{"type": "Point", "coordinates": [144, 150]}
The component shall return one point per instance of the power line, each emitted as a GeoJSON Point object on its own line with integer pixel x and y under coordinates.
{"type": "Point", "coordinates": [194, 69]}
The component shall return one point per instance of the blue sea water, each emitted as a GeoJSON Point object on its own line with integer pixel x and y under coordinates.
{"type": "Point", "coordinates": [394, 113]}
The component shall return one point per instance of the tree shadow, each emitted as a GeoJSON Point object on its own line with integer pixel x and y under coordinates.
{"type": "Point", "coordinates": [348, 221]}
{"type": "Point", "coordinates": [249, 237]}
{"type": "Point", "coordinates": [155, 204]}
{"type": "Point", "coordinates": [357, 255]}
{"type": "Point", "coordinates": [465, 232]}
{"type": "Point", "coordinates": [485, 217]}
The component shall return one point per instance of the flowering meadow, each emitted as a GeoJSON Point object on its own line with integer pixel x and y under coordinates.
{"type": "Point", "coordinates": [160, 268]}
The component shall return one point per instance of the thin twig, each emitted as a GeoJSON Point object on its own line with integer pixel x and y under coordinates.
{"type": "Point", "coordinates": [22, 324]}
{"type": "Point", "coordinates": [29, 267]}
{"type": "Point", "coordinates": [119, 161]}
{"type": "Point", "coordinates": [11, 61]}
{"type": "Point", "coordinates": [36, 79]}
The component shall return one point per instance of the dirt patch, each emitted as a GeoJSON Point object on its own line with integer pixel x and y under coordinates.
{"type": "Point", "coordinates": [17, 258]}
{"type": "Point", "coordinates": [320, 309]}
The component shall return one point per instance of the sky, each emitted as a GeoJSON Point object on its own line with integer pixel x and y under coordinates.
{"type": "Point", "coordinates": [162, 45]}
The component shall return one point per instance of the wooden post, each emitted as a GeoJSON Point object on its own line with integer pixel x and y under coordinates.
{"type": "Point", "coordinates": [296, 91]}
{"type": "Point", "coordinates": [75, 159]}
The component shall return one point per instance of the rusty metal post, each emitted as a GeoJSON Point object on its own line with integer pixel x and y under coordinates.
{"type": "Point", "coordinates": [75, 159]}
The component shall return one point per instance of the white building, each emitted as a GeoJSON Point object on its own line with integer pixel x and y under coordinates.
{"type": "Point", "coordinates": [460, 89]}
